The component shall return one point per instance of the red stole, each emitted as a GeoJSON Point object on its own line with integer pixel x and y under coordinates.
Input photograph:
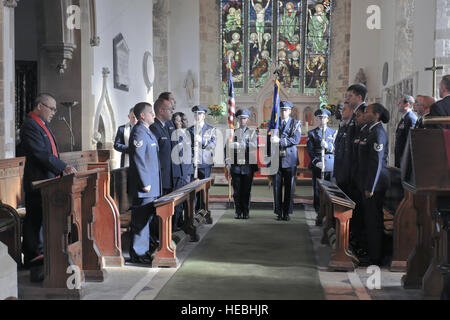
{"type": "Point", "coordinates": [47, 131]}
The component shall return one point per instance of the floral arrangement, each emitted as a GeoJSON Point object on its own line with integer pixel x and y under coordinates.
{"type": "Point", "coordinates": [216, 110]}
{"type": "Point", "coordinates": [264, 125]}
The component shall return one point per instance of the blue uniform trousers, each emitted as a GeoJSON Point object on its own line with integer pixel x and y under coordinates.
{"type": "Point", "coordinates": [242, 186]}
{"type": "Point", "coordinates": [373, 220]}
{"type": "Point", "coordinates": [142, 215]}
{"type": "Point", "coordinates": [285, 177]}
{"type": "Point", "coordinates": [203, 173]}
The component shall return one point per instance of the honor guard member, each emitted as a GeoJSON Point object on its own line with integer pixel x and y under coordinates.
{"type": "Point", "coordinates": [321, 138]}
{"type": "Point", "coordinates": [289, 137]}
{"type": "Point", "coordinates": [242, 164]}
{"type": "Point", "coordinates": [407, 122]}
{"type": "Point", "coordinates": [144, 177]}
{"type": "Point", "coordinates": [181, 154]}
{"type": "Point", "coordinates": [203, 139]}
{"type": "Point", "coordinates": [375, 179]}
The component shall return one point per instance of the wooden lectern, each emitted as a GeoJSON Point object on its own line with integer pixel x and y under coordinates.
{"type": "Point", "coordinates": [67, 205]}
{"type": "Point", "coordinates": [426, 174]}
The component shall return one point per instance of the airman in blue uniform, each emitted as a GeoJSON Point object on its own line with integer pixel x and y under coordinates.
{"type": "Point", "coordinates": [321, 138]}
{"type": "Point", "coordinates": [242, 164]}
{"type": "Point", "coordinates": [288, 138]}
{"type": "Point", "coordinates": [171, 172]}
{"type": "Point", "coordinates": [374, 178]}
{"type": "Point", "coordinates": [407, 122]}
{"type": "Point", "coordinates": [144, 178]}
{"type": "Point", "coordinates": [342, 152]}
{"type": "Point", "coordinates": [203, 139]}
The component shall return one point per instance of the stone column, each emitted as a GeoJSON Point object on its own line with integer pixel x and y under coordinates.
{"type": "Point", "coordinates": [161, 45]}
{"type": "Point", "coordinates": [8, 274]}
{"type": "Point", "coordinates": [7, 85]}
{"type": "Point", "coordinates": [443, 36]}
{"type": "Point", "coordinates": [338, 79]}
{"type": "Point", "coordinates": [210, 66]}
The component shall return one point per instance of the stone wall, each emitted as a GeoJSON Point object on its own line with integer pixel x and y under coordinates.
{"type": "Point", "coordinates": [340, 51]}
{"type": "Point", "coordinates": [161, 46]}
{"type": "Point", "coordinates": [443, 35]}
{"type": "Point", "coordinates": [209, 53]}
{"type": "Point", "coordinates": [404, 35]}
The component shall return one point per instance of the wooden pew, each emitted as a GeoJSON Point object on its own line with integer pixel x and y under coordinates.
{"type": "Point", "coordinates": [10, 229]}
{"type": "Point", "coordinates": [68, 205]}
{"type": "Point", "coordinates": [12, 203]}
{"type": "Point", "coordinates": [426, 173]}
{"type": "Point", "coordinates": [118, 191]}
{"type": "Point", "coordinates": [165, 207]}
{"type": "Point", "coordinates": [106, 224]}
{"type": "Point", "coordinates": [400, 203]}
{"type": "Point", "coordinates": [12, 198]}
{"type": "Point", "coordinates": [338, 208]}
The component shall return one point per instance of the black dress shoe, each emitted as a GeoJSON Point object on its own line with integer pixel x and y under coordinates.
{"type": "Point", "coordinates": [246, 216]}
{"type": "Point", "coordinates": [142, 259]}
{"type": "Point", "coordinates": [286, 218]}
{"type": "Point", "coordinates": [279, 217]}
{"type": "Point", "coordinates": [237, 216]}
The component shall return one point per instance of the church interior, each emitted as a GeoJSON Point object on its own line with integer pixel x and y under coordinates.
{"type": "Point", "coordinates": [99, 58]}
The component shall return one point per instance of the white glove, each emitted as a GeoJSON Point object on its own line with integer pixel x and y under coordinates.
{"type": "Point", "coordinates": [235, 145]}
{"type": "Point", "coordinates": [324, 144]}
{"type": "Point", "coordinates": [198, 138]}
{"type": "Point", "coordinates": [147, 189]}
{"type": "Point", "coordinates": [319, 165]}
{"type": "Point", "coordinates": [275, 139]}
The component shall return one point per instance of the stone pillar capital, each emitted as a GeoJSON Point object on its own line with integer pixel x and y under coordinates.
{"type": "Point", "coordinates": [10, 3]}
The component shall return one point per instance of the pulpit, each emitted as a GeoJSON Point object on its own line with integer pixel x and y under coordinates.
{"type": "Point", "coordinates": [426, 174]}
{"type": "Point", "coordinates": [67, 205]}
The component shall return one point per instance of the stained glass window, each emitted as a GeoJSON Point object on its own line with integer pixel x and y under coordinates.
{"type": "Point", "coordinates": [293, 35]}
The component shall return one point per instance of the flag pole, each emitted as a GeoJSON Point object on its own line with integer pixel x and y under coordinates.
{"type": "Point", "coordinates": [230, 113]}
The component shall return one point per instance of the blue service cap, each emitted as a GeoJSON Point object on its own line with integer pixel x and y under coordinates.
{"type": "Point", "coordinates": [322, 113]}
{"type": "Point", "coordinates": [199, 109]}
{"type": "Point", "coordinates": [243, 113]}
{"type": "Point", "coordinates": [286, 105]}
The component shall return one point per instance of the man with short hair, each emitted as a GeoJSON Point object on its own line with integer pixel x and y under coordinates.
{"type": "Point", "coordinates": [321, 139]}
{"type": "Point", "coordinates": [290, 133]}
{"type": "Point", "coordinates": [342, 153]}
{"type": "Point", "coordinates": [242, 165]}
{"type": "Point", "coordinates": [407, 122]}
{"type": "Point", "coordinates": [43, 162]}
{"type": "Point", "coordinates": [169, 96]}
{"type": "Point", "coordinates": [144, 182]}
{"type": "Point", "coordinates": [203, 142]}
{"type": "Point", "coordinates": [122, 139]}
{"type": "Point", "coordinates": [422, 108]}
{"type": "Point", "coordinates": [442, 107]}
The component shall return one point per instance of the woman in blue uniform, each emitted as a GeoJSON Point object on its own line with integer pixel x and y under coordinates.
{"type": "Point", "coordinates": [375, 180]}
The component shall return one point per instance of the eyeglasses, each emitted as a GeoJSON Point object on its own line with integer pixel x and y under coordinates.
{"type": "Point", "coordinates": [51, 108]}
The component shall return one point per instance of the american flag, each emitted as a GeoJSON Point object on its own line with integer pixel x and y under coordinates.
{"type": "Point", "coordinates": [231, 101]}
